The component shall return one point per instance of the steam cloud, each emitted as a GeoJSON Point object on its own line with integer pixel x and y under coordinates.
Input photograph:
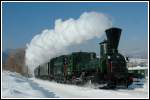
{"type": "Point", "coordinates": [53, 42]}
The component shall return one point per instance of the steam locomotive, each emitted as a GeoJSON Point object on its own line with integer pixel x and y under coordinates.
{"type": "Point", "coordinates": [80, 67]}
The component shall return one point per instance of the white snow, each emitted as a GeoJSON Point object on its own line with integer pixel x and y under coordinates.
{"type": "Point", "coordinates": [16, 86]}
{"type": "Point", "coordinates": [72, 91]}
{"type": "Point", "coordinates": [138, 68]}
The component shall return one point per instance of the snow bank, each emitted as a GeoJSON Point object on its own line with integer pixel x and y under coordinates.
{"type": "Point", "coordinates": [16, 86]}
{"type": "Point", "coordinates": [72, 91]}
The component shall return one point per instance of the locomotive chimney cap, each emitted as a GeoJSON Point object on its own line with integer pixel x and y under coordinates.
{"type": "Point", "coordinates": [113, 28]}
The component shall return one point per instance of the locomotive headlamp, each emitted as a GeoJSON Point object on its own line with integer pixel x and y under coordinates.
{"type": "Point", "coordinates": [108, 57]}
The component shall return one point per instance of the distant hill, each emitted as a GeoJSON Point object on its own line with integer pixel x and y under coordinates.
{"type": "Point", "coordinates": [141, 55]}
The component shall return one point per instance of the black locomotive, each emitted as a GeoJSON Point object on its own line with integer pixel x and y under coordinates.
{"type": "Point", "coordinates": [80, 67]}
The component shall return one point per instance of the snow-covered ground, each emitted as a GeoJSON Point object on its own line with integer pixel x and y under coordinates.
{"type": "Point", "coordinates": [16, 86]}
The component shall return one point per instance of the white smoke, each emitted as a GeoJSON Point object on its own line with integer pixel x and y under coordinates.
{"type": "Point", "coordinates": [53, 42]}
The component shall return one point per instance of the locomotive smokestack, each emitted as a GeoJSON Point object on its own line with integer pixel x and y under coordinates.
{"type": "Point", "coordinates": [113, 37]}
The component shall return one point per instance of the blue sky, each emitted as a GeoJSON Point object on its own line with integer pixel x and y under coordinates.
{"type": "Point", "coordinates": [22, 21]}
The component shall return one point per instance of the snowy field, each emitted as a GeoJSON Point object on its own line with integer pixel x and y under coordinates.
{"type": "Point", "coordinates": [16, 86]}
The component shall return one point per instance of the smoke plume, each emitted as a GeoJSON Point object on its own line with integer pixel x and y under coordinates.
{"type": "Point", "coordinates": [53, 42]}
